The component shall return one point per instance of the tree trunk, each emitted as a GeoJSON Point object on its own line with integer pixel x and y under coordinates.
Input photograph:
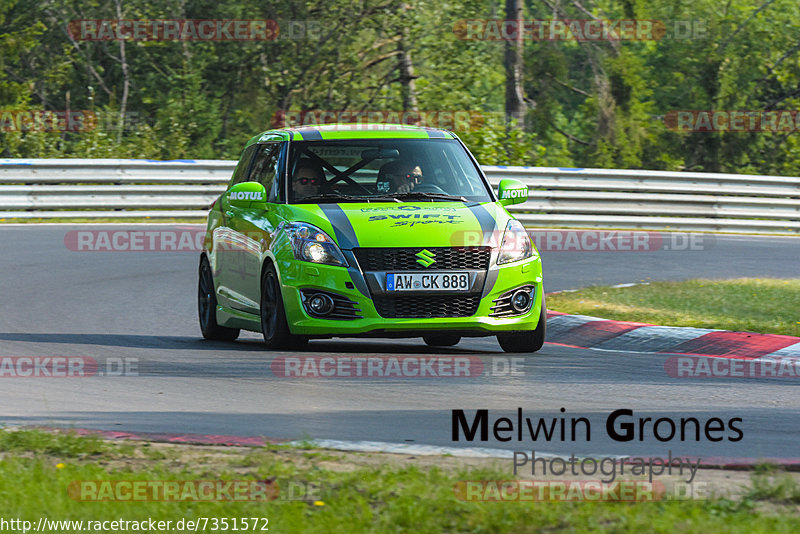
{"type": "Point", "coordinates": [126, 79]}
{"type": "Point", "coordinates": [515, 100]}
{"type": "Point", "coordinates": [407, 76]}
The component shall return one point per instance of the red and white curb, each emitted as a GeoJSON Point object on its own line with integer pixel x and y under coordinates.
{"type": "Point", "coordinates": [587, 332]}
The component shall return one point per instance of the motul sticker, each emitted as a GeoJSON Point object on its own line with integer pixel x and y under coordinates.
{"type": "Point", "coordinates": [246, 195]}
{"type": "Point", "coordinates": [514, 193]}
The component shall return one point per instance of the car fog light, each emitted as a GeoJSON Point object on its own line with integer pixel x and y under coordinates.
{"type": "Point", "coordinates": [521, 300]}
{"type": "Point", "coordinates": [320, 304]}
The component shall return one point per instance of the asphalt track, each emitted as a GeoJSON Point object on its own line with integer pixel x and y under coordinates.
{"type": "Point", "coordinates": [140, 306]}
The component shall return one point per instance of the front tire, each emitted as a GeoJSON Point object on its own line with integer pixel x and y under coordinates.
{"type": "Point", "coordinates": [529, 341]}
{"type": "Point", "coordinates": [207, 306]}
{"type": "Point", "coordinates": [273, 315]}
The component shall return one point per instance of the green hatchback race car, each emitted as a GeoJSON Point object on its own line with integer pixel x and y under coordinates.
{"type": "Point", "coordinates": [368, 230]}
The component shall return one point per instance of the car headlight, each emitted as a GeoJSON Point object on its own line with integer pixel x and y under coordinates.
{"type": "Point", "coordinates": [516, 244]}
{"type": "Point", "coordinates": [309, 243]}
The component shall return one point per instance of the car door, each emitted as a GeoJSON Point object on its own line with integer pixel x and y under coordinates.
{"type": "Point", "coordinates": [252, 230]}
{"type": "Point", "coordinates": [223, 259]}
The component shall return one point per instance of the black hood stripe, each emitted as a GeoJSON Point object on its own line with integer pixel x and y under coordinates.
{"type": "Point", "coordinates": [485, 219]}
{"type": "Point", "coordinates": [345, 234]}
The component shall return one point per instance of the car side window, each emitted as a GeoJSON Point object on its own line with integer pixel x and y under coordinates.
{"type": "Point", "coordinates": [240, 174]}
{"type": "Point", "coordinates": [265, 166]}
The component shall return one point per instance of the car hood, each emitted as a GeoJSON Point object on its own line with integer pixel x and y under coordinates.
{"type": "Point", "coordinates": [423, 224]}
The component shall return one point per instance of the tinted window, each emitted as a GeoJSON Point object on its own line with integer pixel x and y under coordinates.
{"type": "Point", "coordinates": [240, 174]}
{"type": "Point", "coordinates": [265, 166]}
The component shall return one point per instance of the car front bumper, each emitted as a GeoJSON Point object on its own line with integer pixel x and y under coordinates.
{"type": "Point", "coordinates": [351, 283]}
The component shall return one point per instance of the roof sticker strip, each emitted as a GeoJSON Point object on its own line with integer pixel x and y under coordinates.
{"type": "Point", "coordinates": [310, 134]}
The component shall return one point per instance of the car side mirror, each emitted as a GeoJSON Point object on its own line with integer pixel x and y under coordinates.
{"type": "Point", "coordinates": [248, 195]}
{"type": "Point", "coordinates": [512, 192]}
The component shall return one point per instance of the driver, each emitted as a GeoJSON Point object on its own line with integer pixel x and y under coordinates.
{"type": "Point", "coordinates": [399, 177]}
{"type": "Point", "coordinates": [308, 178]}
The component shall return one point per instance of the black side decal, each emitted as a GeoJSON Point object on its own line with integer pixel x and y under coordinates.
{"type": "Point", "coordinates": [491, 278]}
{"type": "Point", "coordinates": [355, 273]}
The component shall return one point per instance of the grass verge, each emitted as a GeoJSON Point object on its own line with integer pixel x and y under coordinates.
{"type": "Point", "coordinates": [354, 492]}
{"type": "Point", "coordinates": [763, 305]}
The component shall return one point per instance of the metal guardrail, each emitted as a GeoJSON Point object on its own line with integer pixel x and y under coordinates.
{"type": "Point", "coordinates": [110, 188]}
{"type": "Point", "coordinates": [600, 198]}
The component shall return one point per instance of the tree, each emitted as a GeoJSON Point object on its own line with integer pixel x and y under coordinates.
{"type": "Point", "coordinates": [515, 99]}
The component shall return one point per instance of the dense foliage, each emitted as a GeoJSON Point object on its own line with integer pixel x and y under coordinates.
{"type": "Point", "coordinates": [599, 103]}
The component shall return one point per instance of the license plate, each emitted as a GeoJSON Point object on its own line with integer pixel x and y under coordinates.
{"type": "Point", "coordinates": [427, 281]}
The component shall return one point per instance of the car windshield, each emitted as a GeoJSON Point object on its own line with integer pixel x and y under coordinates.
{"type": "Point", "coordinates": [383, 170]}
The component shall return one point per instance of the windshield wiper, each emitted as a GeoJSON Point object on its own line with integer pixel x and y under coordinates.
{"type": "Point", "coordinates": [432, 196]}
{"type": "Point", "coordinates": [316, 199]}
{"type": "Point", "coordinates": [379, 198]}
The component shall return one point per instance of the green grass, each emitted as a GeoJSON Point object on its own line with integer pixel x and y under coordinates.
{"type": "Point", "coordinates": [36, 468]}
{"type": "Point", "coordinates": [63, 445]}
{"type": "Point", "coordinates": [764, 305]}
{"type": "Point", "coordinates": [775, 487]}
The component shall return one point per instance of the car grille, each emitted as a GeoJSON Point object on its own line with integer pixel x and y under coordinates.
{"type": "Point", "coordinates": [405, 259]}
{"type": "Point", "coordinates": [426, 306]}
